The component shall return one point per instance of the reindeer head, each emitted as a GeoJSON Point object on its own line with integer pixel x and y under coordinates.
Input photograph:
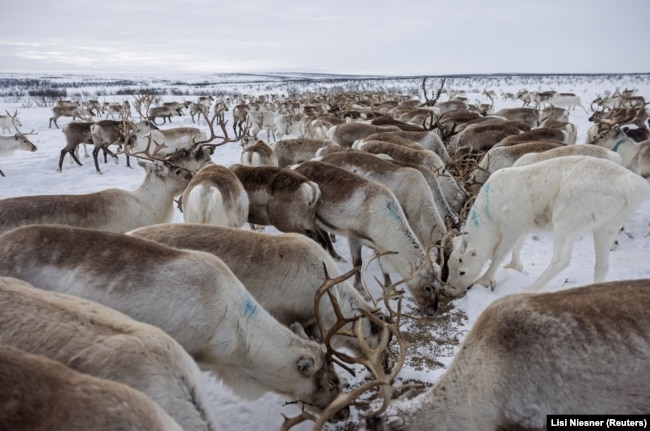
{"type": "Point", "coordinates": [464, 267]}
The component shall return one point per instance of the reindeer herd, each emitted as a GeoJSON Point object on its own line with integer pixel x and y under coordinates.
{"type": "Point", "coordinates": [103, 290]}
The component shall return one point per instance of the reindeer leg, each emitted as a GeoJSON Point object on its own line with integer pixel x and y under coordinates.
{"type": "Point", "coordinates": [562, 246]}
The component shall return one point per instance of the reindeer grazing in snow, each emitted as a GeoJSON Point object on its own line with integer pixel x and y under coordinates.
{"type": "Point", "coordinates": [213, 317]}
{"type": "Point", "coordinates": [286, 265]}
{"type": "Point", "coordinates": [367, 213]}
{"type": "Point", "coordinates": [113, 210]}
{"type": "Point", "coordinates": [283, 198]}
{"type": "Point", "coordinates": [96, 340]}
{"type": "Point", "coordinates": [569, 195]}
{"type": "Point", "coordinates": [74, 111]}
{"type": "Point", "coordinates": [577, 351]}
{"type": "Point", "coordinates": [407, 184]}
{"type": "Point", "coordinates": [42, 394]}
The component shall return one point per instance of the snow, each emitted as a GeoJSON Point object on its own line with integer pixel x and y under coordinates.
{"type": "Point", "coordinates": [35, 173]}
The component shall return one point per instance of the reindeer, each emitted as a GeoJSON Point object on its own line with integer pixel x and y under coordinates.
{"type": "Point", "coordinates": [239, 116]}
{"type": "Point", "coordinates": [113, 210]}
{"type": "Point", "coordinates": [39, 394]}
{"type": "Point", "coordinates": [74, 111]}
{"type": "Point", "coordinates": [368, 213]}
{"type": "Point", "coordinates": [164, 112]}
{"type": "Point", "coordinates": [294, 151]}
{"type": "Point", "coordinates": [409, 187]}
{"type": "Point", "coordinates": [215, 196]}
{"type": "Point", "coordinates": [539, 134]}
{"type": "Point", "coordinates": [635, 156]}
{"type": "Point", "coordinates": [347, 133]}
{"type": "Point", "coordinates": [96, 340]}
{"type": "Point", "coordinates": [213, 317]}
{"type": "Point", "coordinates": [528, 355]}
{"type": "Point", "coordinates": [569, 195]}
{"type": "Point", "coordinates": [529, 116]}
{"type": "Point", "coordinates": [428, 139]}
{"type": "Point", "coordinates": [105, 133]}
{"type": "Point", "coordinates": [568, 150]}
{"type": "Point", "coordinates": [258, 153]}
{"type": "Point", "coordinates": [19, 141]}
{"type": "Point", "coordinates": [286, 265]}
{"type": "Point", "coordinates": [499, 157]}
{"type": "Point", "coordinates": [453, 192]}
{"type": "Point", "coordinates": [283, 198]}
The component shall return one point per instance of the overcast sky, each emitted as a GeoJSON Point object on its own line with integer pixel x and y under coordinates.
{"type": "Point", "coordinates": [379, 37]}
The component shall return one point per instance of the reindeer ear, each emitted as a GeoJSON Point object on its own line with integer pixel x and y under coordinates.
{"type": "Point", "coordinates": [305, 365]}
{"type": "Point", "coordinates": [299, 330]}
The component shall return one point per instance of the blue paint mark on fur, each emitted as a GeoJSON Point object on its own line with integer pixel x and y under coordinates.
{"type": "Point", "coordinates": [474, 217]}
{"type": "Point", "coordinates": [486, 192]}
{"type": "Point", "coordinates": [394, 210]}
{"type": "Point", "coordinates": [250, 308]}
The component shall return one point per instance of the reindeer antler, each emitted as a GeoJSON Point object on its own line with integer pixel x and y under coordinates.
{"type": "Point", "coordinates": [372, 356]}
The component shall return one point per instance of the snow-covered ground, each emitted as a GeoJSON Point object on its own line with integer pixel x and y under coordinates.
{"type": "Point", "coordinates": [35, 173]}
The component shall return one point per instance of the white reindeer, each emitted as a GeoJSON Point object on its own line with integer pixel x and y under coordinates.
{"type": "Point", "coordinates": [191, 295]}
{"type": "Point", "coordinates": [569, 195]}
{"type": "Point", "coordinates": [96, 340]}
{"type": "Point", "coordinates": [286, 266]}
{"type": "Point", "coordinates": [577, 351]}
{"type": "Point", "coordinates": [113, 210]}
{"type": "Point", "coordinates": [42, 394]}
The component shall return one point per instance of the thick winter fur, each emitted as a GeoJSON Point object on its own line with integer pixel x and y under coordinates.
{"type": "Point", "coordinates": [345, 134]}
{"type": "Point", "coordinates": [259, 154]}
{"type": "Point", "coordinates": [367, 213]}
{"type": "Point", "coordinates": [569, 150]}
{"type": "Point", "coordinates": [426, 158]}
{"type": "Point", "coordinates": [430, 140]}
{"type": "Point", "coordinates": [96, 340]}
{"type": "Point", "coordinates": [191, 295]}
{"type": "Point", "coordinates": [482, 136]}
{"type": "Point", "coordinates": [75, 132]}
{"type": "Point", "coordinates": [215, 196]}
{"type": "Point", "coordinates": [293, 151]}
{"type": "Point", "coordinates": [529, 116]}
{"type": "Point", "coordinates": [112, 210]}
{"type": "Point", "coordinates": [105, 133]}
{"type": "Point", "coordinates": [578, 351]}
{"type": "Point", "coordinates": [504, 157]}
{"type": "Point", "coordinates": [286, 266]}
{"type": "Point", "coordinates": [538, 134]}
{"type": "Point", "coordinates": [570, 196]}
{"type": "Point", "coordinates": [174, 139]}
{"type": "Point", "coordinates": [282, 198]}
{"type": "Point", "coordinates": [409, 187]}
{"type": "Point", "coordinates": [39, 394]}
